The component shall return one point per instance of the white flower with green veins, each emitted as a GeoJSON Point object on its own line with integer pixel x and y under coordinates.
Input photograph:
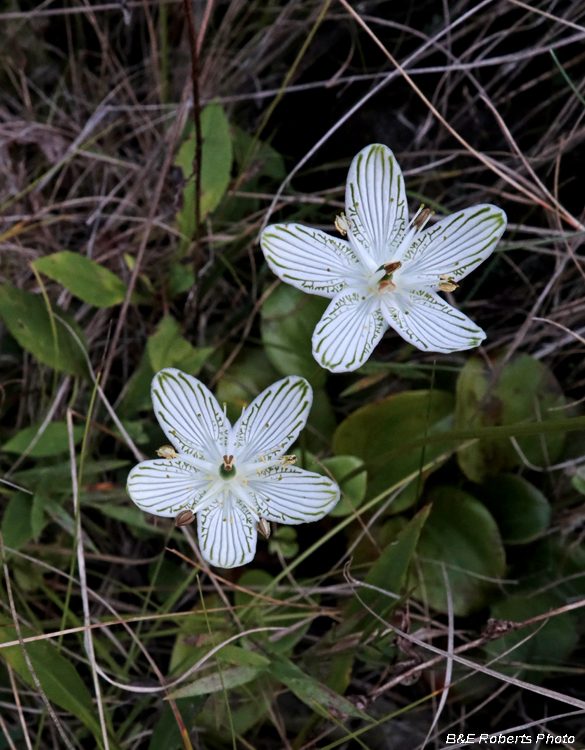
{"type": "Point", "coordinates": [230, 477]}
{"type": "Point", "coordinates": [389, 270]}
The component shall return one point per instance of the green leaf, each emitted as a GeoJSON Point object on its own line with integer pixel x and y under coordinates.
{"type": "Point", "coordinates": [16, 523]}
{"type": "Point", "coordinates": [461, 533]}
{"type": "Point", "coordinates": [375, 429]}
{"type": "Point", "coordinates": [390, 572]}
{"type": "Point", "coordinates": [28, 320]}
{"type": "Point", "coordinates": [38, 518]}
{"type": "Point", "coordinates": [525, 391]}
{"type": "Point", "coordinates": [167, 348]}
{"type": "Point", "coordinates": [354, 488]}
{"type": "Point", "coordinates": [212, 683]}
{"type": "Point", "coordinates": [289, 317]}
{"type": "Point", "coordinates": [84, 278]}
{"type": "Point", "coordinates": [551, 644]}
{"type": "Point", "coordinates": [263, 159]}
{"type": "Point", "coordinates": [54, 440]}
{"type": "Point", "coordinates": [521, 510]}
{"type": "Point", "coordinates": [216, 166]}
{"type": "Point", "coordinates": [317, 696]}
{"type": "Point", "coordinates": [57, 477]}
{"type": "Point", "coordinates": [58, 677]}
{"type": "Point", "coordinates": [285, 540]}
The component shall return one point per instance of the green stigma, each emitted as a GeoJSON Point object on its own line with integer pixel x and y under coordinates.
{"type": "Point", "coordinates": [227, 470]}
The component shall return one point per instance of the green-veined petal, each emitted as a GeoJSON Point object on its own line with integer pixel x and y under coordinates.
{"type": "Point", "coordinates": [189, 414]}
{"type": "Point", "coordinates": [227, 532]}
{"type": "Point", "coordinates": [291, 495]}
{"type": "Point", "coordinates": [273, 421]}
{"type": "Point", "coordinates": [375, 199]}
{"type": "Point", "coordinates": [165, 487]}
{"type": "Point", "coordinates": [308, 259]}
{"type": "Point", "coordinates": [452, 247]}
{"type": "Point", "coordinates": [349, 330]}
{"type": "Point", "coordinates": [429, 323]}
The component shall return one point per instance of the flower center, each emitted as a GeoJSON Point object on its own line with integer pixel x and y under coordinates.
{"type": "Point", "coordinates": [227, 470]}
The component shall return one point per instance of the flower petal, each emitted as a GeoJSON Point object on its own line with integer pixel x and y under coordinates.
{"type": "Point", "coordinates": [273, 420]}
{"type": "Point", "coordinates": [189, 414]}
{"type": "Point", "coordinates": [164, 487]}
{"type": "Point", "coordinates": [349, 330]}
{"type": "Point", "coordinates": [375, 200]}
{"type": "Point", "coordinates": [453, 247]}
{"type": "Point", "coordinates": [309, 259]}
{"type": "Point", "coordinates": [227, 533]}
{"type": "Point", "coordinates": [291, 495]}
{"type": "Point", "coordinates": [429, 323]}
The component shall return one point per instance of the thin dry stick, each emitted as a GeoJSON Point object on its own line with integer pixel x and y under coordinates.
{"type": "Point", "coordinates": [4, 729]}
{"type": "Point", "coordinates": [193, 44]}
{"type": "Point", "coordinates": [204, 24]}
{"type": "Point", "coordinates": [19, 706]}
{"type": "Point", "coordinates": [450, 648]}
{"type": "Point", "coordinates": [88, 639]}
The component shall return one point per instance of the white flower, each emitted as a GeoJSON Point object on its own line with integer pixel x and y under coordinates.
{"type": "Point", "coordinates": [388, 270]}
{"type": "Point", "coordinates": [231, 477]}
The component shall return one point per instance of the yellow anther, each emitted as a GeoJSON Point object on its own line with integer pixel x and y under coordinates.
{"type": "Point", "coordinates": [167, 451]}
{"type": "Point", "coordinates": [342, 224]}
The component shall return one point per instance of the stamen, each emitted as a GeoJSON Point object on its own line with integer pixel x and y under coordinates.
{"type": "Point", "coordinates": [447, 284]}
{"type": "Point", "coordinates": [167, 451]}
{"type": "Point", "coordinates": [263, 527]}
{"type": "Point", "coordinates": [228, 463]}
{"type": "Point", "coordinates": [184, 518]}
{"type": "Point", "coordinates": [392, 266]}
{"type": "Point", "coordinates": [342, 224]}
{"type": "Point", "coordinates": [289, 460]}
{"type": "Point", "coordinates": [421, 218]}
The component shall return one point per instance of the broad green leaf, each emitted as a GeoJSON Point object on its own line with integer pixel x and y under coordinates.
{"type": "Point", "coordinates": [166, 734]}
{"type": "Point", "coordinates": [16, 523]}
{"type": "Point", "coordinates": [317, 696]}
{"type": "Point", "coordinates": [551, 644]}
{"type": "Point", "coordinates": [28, 320]}
{"type": "Point", "coordinates": [524, 391]}
{"type": "Point", "coordinates": [389, 572]}
{"type": "Point", "coordinates": [57, 477]}
{"type": "Point", "coordinates": [289, 317]}
{"type": "Point", "coordinates": [216, 166]}
{"type": "Point", "coordinates": [462, 534]}
{"type": "Point", "coordinates": [167, 348]}
{"type": "Point", "coordinates": [84, 278]}
{"type": "Point", "coordinates": [521, 511]}
{"type": "Point", "coordinates": [232, 677]}
{"type": "Point", "coordinates": [262, 158]}
{"type": "Point", "coordinates": [375, 429]}
{"type": "Point", "coordinates": [54, 440]}
{"type": "Point", "coordinates": [354, 488]}
{"type": "Point", "coordinates": [58, 677]}
{"type": "Point", "coordinates": [284, 539]}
